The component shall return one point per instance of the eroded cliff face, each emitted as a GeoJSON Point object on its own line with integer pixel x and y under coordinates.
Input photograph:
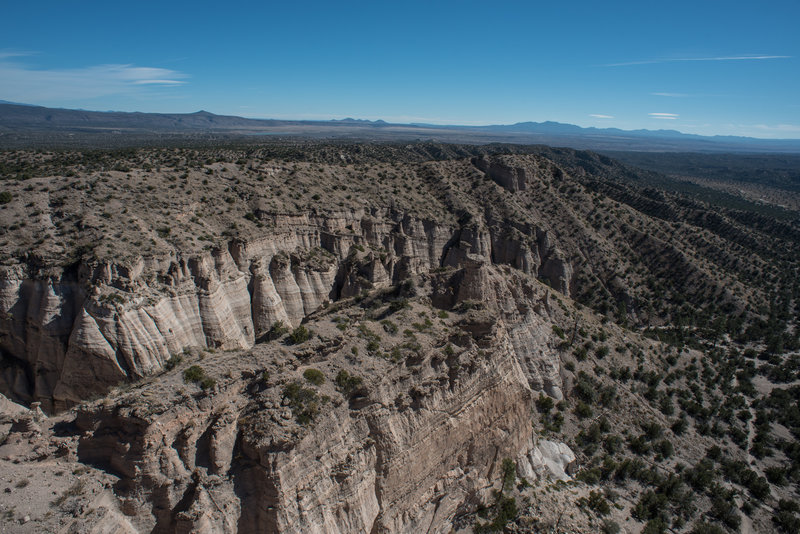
{"type": "Point", "coordinates": [67, 334]}
{"type": "Point", "coordinates": [444, 324]}
{"type": "Point", "coordinates": [413, 446]}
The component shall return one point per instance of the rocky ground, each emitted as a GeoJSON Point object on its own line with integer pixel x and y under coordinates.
{"type": "Point", "coordinates": [379, 338]}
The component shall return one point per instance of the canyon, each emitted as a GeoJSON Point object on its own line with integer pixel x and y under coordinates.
{"type": "Point", "coordinates": [357, 338]}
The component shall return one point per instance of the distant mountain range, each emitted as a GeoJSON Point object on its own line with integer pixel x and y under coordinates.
{"type": "Point", "coordinates": [27, 125]}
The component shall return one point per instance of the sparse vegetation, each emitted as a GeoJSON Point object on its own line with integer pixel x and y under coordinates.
{"type": "Point", "coordinates": [346, 383]}
{"type": "Point", "coordinates": [197, 374]}
{"type": "Point", "coordinates": [173, 362]}
{"type": "Point", "coordinates": [304, 402]}
{"type": "Point", "coordinates": [301, 334]}
{"type": "Point", "coordinates": [314, 376]}
{"type": "Point", "coordinates": [676, 348]}
{"type": "Point", "coordinates": [277, 330]}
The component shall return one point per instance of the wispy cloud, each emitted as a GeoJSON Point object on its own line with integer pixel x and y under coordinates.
{"type": "Point", "coordinates": [763, 131]}
{"type": "Point", "coordinates": [778, 128]}
{"type": "Point", "coordinates": [21, 82]}
{"type": "Point", "coordinates": [714, 58]}
{"type": "Point", "coordinates": [671, 95]}
{"type": "Point", "coordinates": [6, 53]}
{"type": "Point", "coordinates": [599, 116]}
{"type": "Point", "coordinates": [664, 116]}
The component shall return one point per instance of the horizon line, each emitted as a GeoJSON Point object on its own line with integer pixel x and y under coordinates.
{"type": "Point", "coordinates": [421, 122]}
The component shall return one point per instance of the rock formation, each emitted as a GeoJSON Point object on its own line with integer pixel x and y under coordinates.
{"type": "Point", "coordinates": [417, 441]}
{"type": "Point", "coordinates": [271, 340]}
{"type": "Point", "coordinates": [81, 330]}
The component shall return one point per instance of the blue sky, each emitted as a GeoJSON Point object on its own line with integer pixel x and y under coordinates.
{"type": "Point", "coordinates": [705, 66]}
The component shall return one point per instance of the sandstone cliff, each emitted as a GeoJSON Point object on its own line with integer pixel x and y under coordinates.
{"type": "Point", "coordinates": [415, 445]}
{"type": "Point", "coordinates": [78, 331]}
{"type": "Point", "coordinates": [418, 442]}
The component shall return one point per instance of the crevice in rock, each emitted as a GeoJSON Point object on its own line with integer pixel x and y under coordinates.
{"type": "Point", "coordinates": [202, 455]}
{"type": "Point", "coordinates": [256, 492]}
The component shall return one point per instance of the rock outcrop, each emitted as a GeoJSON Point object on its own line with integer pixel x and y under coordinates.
{"type": "Point", "coordinates": [420, 442]}
{"type": "Point", "coordinates": [73, 333]}
{"type": "Point", "coordinates": [509, 177]}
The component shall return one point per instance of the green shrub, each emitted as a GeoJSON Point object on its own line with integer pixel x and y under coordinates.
{"type": "Point", "coordinates": [612, 444]}
{"type": "Point", "coordinates": [304, 402]}
{"type": "Point", "coordinates": [173, 362]}
{"type": "Point", "coordinates": [724, 509]}
{"type": "Point", "coordinates": [505, 510]}
{"type": "Point", "coordinates": [775, 475]}
{"type": "Point", "coordinates": [759, 488]}
{"type": "Point", "coordinates": [701, 476]}
{"type": "Point", "coordinates": [586, 388]}
{"type": "Point", "coordinates": [583, 410]}
{"type": "Point", "coordinates": [714, 452]}
{"type": "Point", "coordinates": [651, 505]}
{"type": "Point", "coordinates": [664, 448]}
{"type": "Point", "coordinates": [597, 502]}
{"type": "Point", "coordinates": [424, 326]}
{"type": "Point", "coordinates": [544, 403]}
{"type": "Point", "coordinates": [701, 527]}
{"type": "Point", "coordinates": [5, 197]}
{"type": "Point", "coordinates": [679, 426]}
{"type": "Point", "coordinates": [785, 518]}
{"type": "Point", "coordinates": [655, 526]}
{"type": "Point", "coordinates": [590, 476]}
{"type": "Point", "coordinates": [666, 406]}
{"type": "Point", "coordinates": [301, 334]}
{"type": "Point", "coordinates": [652, 430]}
{"type": "Point", "coordinates": [397, 305]}
{"type": "Point", "coordinates": [553, 423]}
{"type": "Point", "coordinates": [194, 373]}
{"type": "Point", "coordinates": [347, 383]}
{"type": "Point", "coordinates": [639, 445]}
{"type": "Point", "coordinates": [314, 376]}
{"type": "Point", "coordinates": [207, 382]}
{"type": "Point", "coordinates": [395, 355]}
{"type": "Point", "coordinates": [277, 331]}
{"type": "Point", "coordinates": [509, 469]}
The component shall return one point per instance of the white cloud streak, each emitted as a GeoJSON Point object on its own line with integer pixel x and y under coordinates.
{"type": "Point", "coordinates": [670, 95]}
{"type": "Point", "coordinates": [20, 82]}
{"type": "Point", "coordinates": [763, 131]}
{"type": "Point", "coordinates": [716, 58]}
{"type": "Point", "coordinates": [664, 116]}
{"type": "Point", "coordinates": [599, 116]}
{"type": "Point", "coordinates": [6, 54]}
{"type": "Point", "coordinates": [783, 128]}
